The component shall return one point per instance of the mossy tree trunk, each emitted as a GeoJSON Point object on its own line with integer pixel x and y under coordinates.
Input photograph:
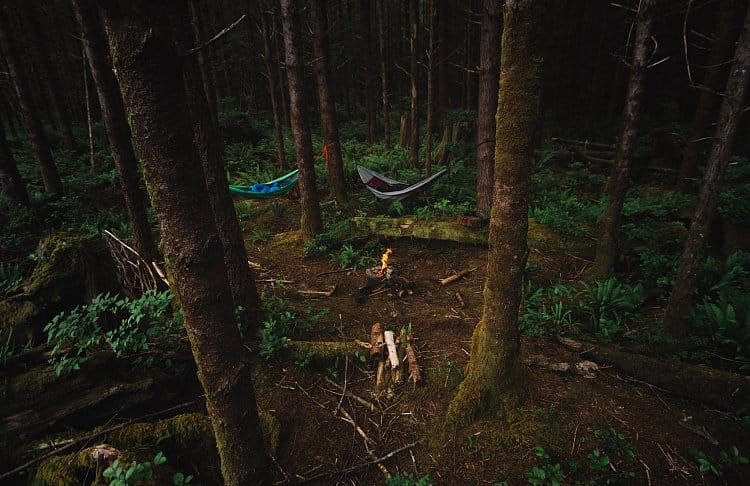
{"type": "Point", "coordinates": [413, 76]}
{"type": "Point", "coordinates": [209, 145]}
{"type": "Point", "coordinates": [310, 220]}
{"type": "Point", "coordinates": [619, 177]}
{"type": "Point", "coordinates": [707, 98]}
{"type": "Point", "coordinates": [267, 31]}
{"type": "Point", "coordinates": [489, 65]}
{"type": "Point", "coordinates": [495, 381]}
{"type": "Point", "coordinates": [150, 75]}
{"type": "Point", "coordinates": [29, 114]}
{"type": "Point", "coordinates": [12, 185]}
{"type": "Point", "coordinates": [322, 72]}
{"type": "Point", "coordinates": [116, 125]}
{"type": "Point", "coordinates": [729, 119]}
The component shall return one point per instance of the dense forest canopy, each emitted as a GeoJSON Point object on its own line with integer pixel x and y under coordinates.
{"type": "Point", "coordinates": [408, 242]}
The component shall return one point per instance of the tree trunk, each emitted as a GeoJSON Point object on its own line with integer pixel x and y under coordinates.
{"type": "Point", "coordinates": [39, 41]}
{"type": "Point", "coordinates": [430, 67]}
{"type": "Point", "coordinates": [116, 125]}
{"type": "Point", "coordinates": [322, 73]}
{"type": "Point", "coordinates": [489, 66]}
{"type": "Point", "coordinates": [367, 60]}
{"type": "Point", "coordinates": [442, 55]}
{"type": "Point", "coordinates": [12, 185]}
{"type": "Point", "coordinates": [413, 76]}
{"type": "Point", "coordinates": [310, 221]}
{"type": "Point", "coordinates": [281, 69]}
{"type": "Point", "coordinates": [209, 145]}
{"type": "Point", "coordinates": [707, 99]}
{"type": "Point", "coordinates": [382, 14]}
{"type": "Point", "coordinates": [730, 114]}
{"type": "Point", "coordinates": [208, 75]}
{"type": "Point", "coordinates": [29, 114]}
{"type": "Point", "coordinates": [150, 75]}
{"type": "Point", "coordinates": [495, 380]}
{"type": "Point", "coordinates": [266, 32]}
{"type": "Point", "coordinates": [617, 184]}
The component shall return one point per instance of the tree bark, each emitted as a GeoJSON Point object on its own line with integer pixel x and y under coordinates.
{"type": "Point", "coordinates": [495, 380]}
{"type": "Point", "coordinates": [209, 145]}
{"type": "Point", "coordinates": [707, 98]}
{"type": "Point", "coordinates": [442, 55]}
{"type": "Point", "coordinates": [116, 125]}
{"type": "Point", "coordinates": [267, 31]}
{"type": "Point", "coordinates": [322, 73]}
{"type": "Point", "coordinates": [618, 182]}
{"type": "Point", "coordinates": [413, 76]}
{"type": "Point", "coordinates": [367, 60]}
{"type": "Point", "coordinates": [12, 185]}
{"type": "Point", "coordinates": [56, 88]}
{"type": "Point", "coordinates": [278, 31]}
{"type": "Point", "coordinates": [208, 74]}
{"type": "Point", "coordinates": [730, 113]}
{"type": "Point", "coordinates": [29, 114]}
{"type": "Point", "coordinates": [310, 221]}
{"type": "Point", "coordinates": [489, 66]}
{"type": "Point", "coordinates": [430, 69]}
{"type": "Point", "coordinates": [382, 57]}
{"type": "Point", "coordinates": [149, 71]}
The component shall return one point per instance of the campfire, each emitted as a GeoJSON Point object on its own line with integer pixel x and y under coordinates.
{"type": "Point", "coordinates": [383, 277]}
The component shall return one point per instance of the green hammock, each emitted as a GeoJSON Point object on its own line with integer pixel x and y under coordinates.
{"type": "Point", "coordinates": [267, 190]}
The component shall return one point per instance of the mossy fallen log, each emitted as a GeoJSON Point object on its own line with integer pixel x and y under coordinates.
{"type": "Point", "coordinates": [449, 230]}
{"type": "Point", "coordinates": [720, 389]}
{"type": "Point", "coordinates": [322, 353]}
{"type": "Point", "coordinates": [71, 269]}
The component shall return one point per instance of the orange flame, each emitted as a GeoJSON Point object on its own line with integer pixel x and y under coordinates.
{"type": "Point", "coordinates": [384, 259]}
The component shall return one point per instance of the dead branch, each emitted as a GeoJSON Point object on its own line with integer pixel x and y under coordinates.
{"type": "Point", "coordinates": [411, 358]}
{"type": "Point", "coordinates": [456, 276]}
{"type": "Point", "coordinates": [216, 37]}
{"type": "Point", "coordinates": [329, 272]}
{"type": "Point", "coordinates": [317, 293]}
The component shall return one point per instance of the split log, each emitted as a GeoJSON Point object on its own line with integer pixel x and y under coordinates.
{"type": "Point", "coordinates": [411, 357]}
{"type": "Point", "coordinates": [720, 389]}
{"type": "Point", "coordinates": [456, 276]}
{"type": "Point", "coordinates": [390, 343]}
{"type": "Point", "coordinates": [377, 341]}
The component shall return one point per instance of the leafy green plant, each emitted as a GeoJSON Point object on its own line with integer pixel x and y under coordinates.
{"type": "Point", "coordinates": [727, 459]}
{"type": "Point", "coordinates": [607, 305]}
{"type": "Point", "coordinates": [11, 276]}
{"type": "Point", "coordinates": [260, 236]}
{"type": "Point", "coordinates": [403, 478]}
{"type": "Point", "coordinates": [350, 257]}
{"type": "Point", "coordinates": [281, 321]}
{"type": "Point", "coordinates": [548, 474]}
{"type": "Point", "coordinates": [546, 311]}
{"type": "Point", "coordinates": [126, 474]}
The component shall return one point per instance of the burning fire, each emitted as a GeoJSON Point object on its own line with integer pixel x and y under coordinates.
{"type": "Point", "coordinates": [384, 260]}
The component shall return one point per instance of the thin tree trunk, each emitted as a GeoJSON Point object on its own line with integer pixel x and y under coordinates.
{"type": "Point", "coordinates": [322, 73]}
{"type": "Point", "coordinates": [367, 60]}
{"type": "Point", "coordinates": [89, 124]}
{"type": "Point", "coordinates": [442, 55]}
{"type": "Point", "coordinates": [150, 76]}
{"type": "Point", "coordinates": [430, 67]}
{"type": "Point", "coordinates": [310, 221]}
{"type": "Point", "coordinates": [729, 119]}
{"type": "Point", "coordinates": [618, 182]}
{"type": "Point", "coordinates": [267, 31]}
{"type": "Point", "coordinates": [413, 75]}
{"type": "Point", "coordinates": [382, 14]}
{"type": "Point", "coordinates": [12, 185]}
{"type": "Point", "coordinates": [40, 43]}
{"type": "Point", "coordinates": [116, 125]}
{"type": "Point", "coordinates": [495, 381]}
{"type": "Point", "coordinates": [29, 114]}
{"type": "Point", "coordinates": [707, 98]}
{"type": "Point", "coordinates": [489, 68]}
{"type": "Point", "coordinates": [209, 145]}
{"type": "Point", "coordinates": [283, 86]}
{"type": "Point", "coordinates": [204, 60]}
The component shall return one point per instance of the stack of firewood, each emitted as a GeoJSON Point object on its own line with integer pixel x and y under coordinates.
{"type": "Point", "coordinates": [394, 356]}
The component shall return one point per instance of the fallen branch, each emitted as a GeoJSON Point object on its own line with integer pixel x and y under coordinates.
{"type": "Point", "coordinates": [411, 358]}
{"type": "Point", "coordinates": [343, 472]}
{"type": "Point", "coordinates": [216, 37]}
{"type": "Point", "coordinates": [317, 293]}
{"type": "Point", "coordinates": [456, 276]}
{"type": "Point", "coordinates": [330, 272]}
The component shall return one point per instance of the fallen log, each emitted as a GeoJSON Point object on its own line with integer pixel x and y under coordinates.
{"type": "Point", "coordinates": [456, 276]}
{"type": "Point", "coordinates": [321, 353]}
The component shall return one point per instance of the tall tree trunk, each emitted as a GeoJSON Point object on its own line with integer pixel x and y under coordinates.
{"type": "Point", "coordinates": [430, 69]}
{"type": "Point", "coordinates": [367, 60]}
{"type": "Point", "coordinates": [266, 32]}
{"type": "Point", "coordinates": [495, 380]}
{"type": "Point", "coordinates": [707, 98]}
{"type": "Point", "coordinates": [39, 41]}
{"type": "Point", "coordinates": [310, 221]}
{"type": "Point", "coordinates": [413, 75]}
{"type": "Point", "coordinates": [150, 76]}
{"type": "Point", "coordinates": [29, 114]}
{"type": "Point", "coordinates": [322, 73]}
{"type": "Point", "coordinates": [618, 182]}
{"type": "Point", "coordinates": [442, 55]}
{"type": "Point", "coordinates": [210, 148]}
{"type": "Point", "coordinates": [489, 66]}
{"type": "Point", "coordinates": [116, 125]}
{"type": "Point", "coordinates": [208, 75]}
{"type": "Point", "coordinates": [382, 57]}
{"type": "Point", "coordinates": [283, 86]}
{"type": "Point", "coordinates": [729, 119]}
{"type": "Point", "coordinates": [12, 185]}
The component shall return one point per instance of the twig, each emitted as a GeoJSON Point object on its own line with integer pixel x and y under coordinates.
{"type": "Point", "coordinates": [349, 394]}
{"type": "Point", "coordinates": [216, 37]}
{"type": "Point", "coordinates": [329, 272]}
{"type": "Point", "coordinates": [456, 276]}
{"type": "Point", "coordinates": [342, 472]}
{"type": "Point", "coordinates": [90, 437]}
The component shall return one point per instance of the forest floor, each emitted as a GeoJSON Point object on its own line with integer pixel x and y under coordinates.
{"type": "Point", "coordinates": [567, 415]}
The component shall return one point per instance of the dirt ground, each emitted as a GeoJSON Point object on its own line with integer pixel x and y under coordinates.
{"type": "Point", "coordinates": [561, 413]}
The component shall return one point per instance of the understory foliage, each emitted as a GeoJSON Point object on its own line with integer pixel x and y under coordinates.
{"type": "Point", "coordinates": [283, 321]}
